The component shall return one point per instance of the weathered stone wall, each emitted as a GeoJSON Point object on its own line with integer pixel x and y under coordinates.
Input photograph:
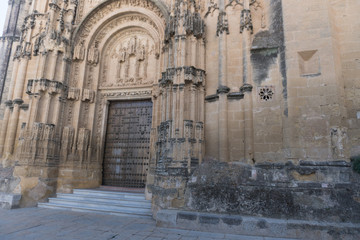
{"type": "Point", "coordinates": [8, 184]}
{"type": "Point", "coordinates": [327, 191]}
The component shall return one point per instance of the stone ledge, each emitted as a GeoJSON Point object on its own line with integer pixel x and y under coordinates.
{"type": "Point", "coordinates": [236, 224]}
{"type": "Point", "coordinates": [9, 201]}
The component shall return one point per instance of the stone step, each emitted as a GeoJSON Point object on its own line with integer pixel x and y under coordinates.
{"type": "Point", "coordinates": [93, 210]}
{"type": "Point", "coordinates": [93, 203]}
{"type": "Point", "coordinates": [102, 193]}
{"type": "Point", "coordinates": [101, 201]}
{"type": "Point", "coordinates": [105, 199]}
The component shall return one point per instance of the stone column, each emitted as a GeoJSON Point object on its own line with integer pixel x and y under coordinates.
{"type": "Point", "coordinates": [14, 118]}
{"type": "Point", "coordinates": [247, 87]}
{"type": "Point", "coordinates": [8, 104]}
{"type": "Point", "coordinates": [5, 125]}
{"type": "Point", "coordinates": [222, 31]}
{"type": "Point", "coordinates": [9, 36]}
{"type": "Point", "coordinates": [12, 128]}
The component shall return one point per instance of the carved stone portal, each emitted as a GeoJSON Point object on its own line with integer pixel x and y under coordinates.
{"type": "Point", "coordinates": [131, 59]}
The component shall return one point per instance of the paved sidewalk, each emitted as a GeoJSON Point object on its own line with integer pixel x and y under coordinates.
{"type": "Point", "coordinates": [40, 224]}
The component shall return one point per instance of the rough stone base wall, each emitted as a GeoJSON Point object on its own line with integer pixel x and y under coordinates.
{"type": "Point", "coordinates": [326, 191]}
{"type": "Point", "coordinates": [8, 183]}
{"type": "Point", "coordinates": [269, 227]}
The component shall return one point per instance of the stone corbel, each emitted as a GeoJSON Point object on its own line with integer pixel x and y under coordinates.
{"type": "Point", "coordinates": [43, 84]}
{"type": "Point", "coordinates": [18, 101]}
{"type": "Point", "coordinates": [55, 87]}
{"type": "Point", "coordinates": [9, 103]}
{"type": "Point", "coordinates": [235, 96]}
{"type": "Point", "coordinates": [212, 98]}
{"type": "Point", "coordinates": [88, 95]}
{"type": "Point", "coordinates": [246, 88]}
{"type": "Point", "coordinates": [73, 94]}
{"type": "Point", "coordinates": [223, 89]}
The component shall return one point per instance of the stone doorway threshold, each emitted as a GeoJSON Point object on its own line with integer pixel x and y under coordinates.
{"type": "Point", "coordinates": [121, 189]}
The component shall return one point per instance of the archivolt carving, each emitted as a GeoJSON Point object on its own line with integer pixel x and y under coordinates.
{"type": "Point", "coordinates": [147, 44]}
{"type": "Point", "coordinates": [133, 18]}
{"type": "Point", "coordinates": [96, 16]}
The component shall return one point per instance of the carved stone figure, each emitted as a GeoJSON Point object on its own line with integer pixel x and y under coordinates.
{"type": "Point", "coordinates": [79, 51]}
{"type": "Point", "coordinates": [93, 54]}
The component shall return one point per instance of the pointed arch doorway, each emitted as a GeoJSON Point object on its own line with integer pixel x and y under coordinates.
{"type": "Point", "coordinates": [127, 144]}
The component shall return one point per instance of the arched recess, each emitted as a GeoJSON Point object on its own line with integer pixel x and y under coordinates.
{"type": "Point", "coordinates": [113, 29]}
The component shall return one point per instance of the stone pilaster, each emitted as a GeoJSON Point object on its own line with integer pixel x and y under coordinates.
{"type": "Point", "coordinates": [180, 128]}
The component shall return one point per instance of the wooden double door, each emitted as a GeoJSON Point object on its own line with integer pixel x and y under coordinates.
{"type": "Point", "coordinates": [127, 142]}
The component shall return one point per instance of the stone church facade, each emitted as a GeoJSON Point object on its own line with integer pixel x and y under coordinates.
{"type": "Point", "coordinates": [230, 106]}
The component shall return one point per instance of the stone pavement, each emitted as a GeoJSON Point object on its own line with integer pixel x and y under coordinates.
{"type": "Point", "coordinates": [40, 224]}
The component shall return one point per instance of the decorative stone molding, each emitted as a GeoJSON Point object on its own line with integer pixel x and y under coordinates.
{"type": "Point", "coordinates": [223, 89]}
{"type": "Point", "coordinates": [88, 95]}
{"type": "Point", "coordinates": [212, 98]}
{"type": "Point", "coordinates": [34, 86]}
{"type": "Point", "coordinates": [212, 7]}
{"type": "Point", "coordinates": [73, 94]}
{"type": "Point", "coordinates": [222, 24]}
{"type": "Point", "coordinates": [24, 107]}
{"type": "Point", "coordinates": [8, 103]}
{"type": "Point", "coordinates": [38, 144]}
{"type": "Point", "coordinates": [18, 101]}
{"type": "Point", "coordinates": [108, 7]}
{"type": "Point", "coordinates": [127, 93]}
{"type": "Point", "coordinates": [246, 21]}
{"type": "Point", "coordinates": [185, 19]}
{"type": "Point", "coordinates": [266, 93]}
{"type": "Point", "coordinates": [246, 88]}
{"type": "Point", "coordinates": [235, 96]}
{"type": "Point", "coordinates": [234, 3]}
{"type": "Point", "coordinates": [196, 76]}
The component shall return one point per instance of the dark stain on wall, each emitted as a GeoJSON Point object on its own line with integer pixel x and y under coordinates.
{"type": "Point", "coordinates": [263, 49]}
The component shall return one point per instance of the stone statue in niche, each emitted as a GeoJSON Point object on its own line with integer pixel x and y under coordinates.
{"type": "Point", "coordinates": [93, 54]}
{"type": "Point", "coordinates": [140, 55]}
{"type": "Point", "coordinates": [132, 45]}
{"type": "Point", "coordinates": [79, 51]}
{"type": "Point", "coordinates": [122, 55]}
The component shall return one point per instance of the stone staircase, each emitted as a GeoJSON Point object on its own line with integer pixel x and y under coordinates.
{"type": "Point", "coordinates": [102, 201]}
